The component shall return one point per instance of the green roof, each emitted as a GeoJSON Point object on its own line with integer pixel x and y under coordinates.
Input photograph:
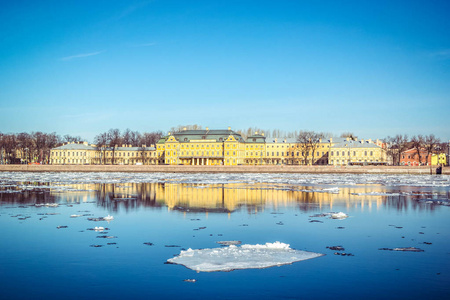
{"type": "Point", "coordinates": [217, 135]}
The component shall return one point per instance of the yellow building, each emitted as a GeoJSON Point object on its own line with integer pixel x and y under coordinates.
{"type": "Point", "coordinates": [86, 154]}
{"type": "Point", "coordinates": [255, 150]}
{"type": "Point", "coordinates": [224, 147]}
{"type": "Point", "coordinates": [439, 159]}
{"type": "Point", "coordinates": [203, 147]}
{"type": "Point", "coordinates": [351, 152]}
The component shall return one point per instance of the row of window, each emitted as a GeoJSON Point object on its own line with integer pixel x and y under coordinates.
{"type": "Point", "coordinates": [63, 153]}
{"type": "Point", "coordinates": [348, 153]}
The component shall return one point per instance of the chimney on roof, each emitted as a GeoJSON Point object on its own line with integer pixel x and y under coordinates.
{"type": "Point", "coordinates": [331, 139]}
{"type": "Point", "coordinates": [262, 133]}
{"type": "Point", "coordinates": [152, 145]}
{"type": "Point", "coordinates": [144, 146]}
{"type": "Point", "coordinates": [229, 128]}
{"type": "Point", "coordinates": [348, 139]}
{"type": "Point", "coordinates": [362, 141]}
{"type": "Point", "coordinates": [207, 128]}
{"type": "Point", "coordinates": [256, 132]}
{"type": "Point", "coordinates": [183, 129]}
{"type": "Point", "coordinates": [370, 140]}
{"type": "Point", "coordinates": [169, 133]}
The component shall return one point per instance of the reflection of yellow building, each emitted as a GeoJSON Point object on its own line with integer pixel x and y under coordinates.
{"type": "Point", "coordinates": [222, 198]}
{"type": "Point", "coordinates": [439, 159]}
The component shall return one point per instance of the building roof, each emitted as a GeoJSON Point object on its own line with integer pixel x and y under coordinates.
{"type": "Point", "coordinates": [256, 138]}
{"type": "Point", "coordinates": [75, 146]}
{"type": "Point", "coordinates": [217, 135]}
{"type": "Point", "coordinates": [83, 146]}
{"type": "Point", "coordinates": [355, 144]}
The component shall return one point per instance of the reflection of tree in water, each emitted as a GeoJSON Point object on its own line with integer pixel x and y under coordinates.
{"type": "Point", "coordinates": [27, 195]}
{"type": "Point", "coordinates": [126, 196]}
{"type": "Point", "coordinates": [414, 198]}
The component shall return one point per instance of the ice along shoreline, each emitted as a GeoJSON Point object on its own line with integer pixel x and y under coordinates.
{"type": "Point", "coordinates": [423, 170]}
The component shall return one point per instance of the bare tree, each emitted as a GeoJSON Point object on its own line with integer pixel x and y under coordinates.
{"type": "Point", "coordinates": [114, 140]}
{"type": "Point", "coordinates": [395, 146]}
{"type": "Point", "coordinates": [101, 141]}
{"type": "Point", "coordinates": [350, 135]}
{"type": "Point", "coordinates": [430, 143]}
{"type": "Point", "coordinates": [71, 139]}
{"type": "Point", "coordinates": [417, 143]}
{"type": "Point", "coordinates": [135, 138]}
{"type": "Point", "coordinates": [150, 138]}
{"type": "Point", "coordinates": [309, 141]}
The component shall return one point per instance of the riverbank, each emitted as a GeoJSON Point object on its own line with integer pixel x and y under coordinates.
{"type": "Point", "coordinates": [224, 169]}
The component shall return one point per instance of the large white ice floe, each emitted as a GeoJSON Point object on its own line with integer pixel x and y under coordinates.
{"type": "Point", "coordinates": [243, 257]}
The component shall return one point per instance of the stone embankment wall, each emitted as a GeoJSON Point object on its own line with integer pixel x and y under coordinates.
{"type": "Point", "coordinates": [225, 169]}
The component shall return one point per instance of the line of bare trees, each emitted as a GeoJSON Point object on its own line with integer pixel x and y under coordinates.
{"type": "Point", "coordinates": [113, 138]}
{"type": "Point", "coordinates": [16, 148]}
{"type": "Point", "coordinates": [34, 147]}
{"type": "Point", "coordinates": [429, 144]}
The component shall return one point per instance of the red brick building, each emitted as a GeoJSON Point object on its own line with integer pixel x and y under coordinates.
{"type": "Point", "coordinates": [411, 158]}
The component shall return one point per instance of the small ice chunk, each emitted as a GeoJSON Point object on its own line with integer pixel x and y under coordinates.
{"type": "Point", "coordinates": [228, 243]}
{"type": "Point", "coordinates": [340, 215]}
{"type": "Point", "coordinates": [108, 218]}
{"type": "Point", "coordinates": [243, 257]}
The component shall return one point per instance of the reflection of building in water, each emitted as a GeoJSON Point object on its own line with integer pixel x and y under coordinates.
{"type": "Point", "coordinates": [226, 198]}
{"type": "Point", "coordinates": [230, 197]}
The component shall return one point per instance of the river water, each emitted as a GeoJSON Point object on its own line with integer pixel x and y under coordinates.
{"type": "Point", "coordinates": [50, 251]}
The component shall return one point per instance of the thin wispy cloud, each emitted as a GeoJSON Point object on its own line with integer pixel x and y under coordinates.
{"type": "Point", "coordinates": [129, 10]}
{"type": "Point", "coordinates": [81, 55]}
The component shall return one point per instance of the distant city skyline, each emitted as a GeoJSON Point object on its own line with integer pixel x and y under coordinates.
{"type": "Point", "coordinates": [82, 67]}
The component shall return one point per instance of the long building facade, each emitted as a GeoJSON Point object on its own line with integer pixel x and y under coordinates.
{"type": "Point", "coordinates": [221, 147]}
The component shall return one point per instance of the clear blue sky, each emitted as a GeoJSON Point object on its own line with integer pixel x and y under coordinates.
{"type": "Point", "coordinates": [375, 68]}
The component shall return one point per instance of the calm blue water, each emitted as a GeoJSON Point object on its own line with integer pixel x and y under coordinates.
{"type": "Point", "coordinates": [40, 261]}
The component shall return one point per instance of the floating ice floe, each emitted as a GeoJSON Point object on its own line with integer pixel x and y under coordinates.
{"type": "Point", "coordinates": [379, 194]}
{"type": "Point", "coordinates": [75, 216]}
{"type": "Point", "coordinates": [340, 215]}
{"type": "Point", "coordinates": [108, 218]}
{"type": "Point", "coordinates": [241, 257]}
{"type": "Point", "coordinates": [10, 179]}
{"type": "Point", "coordinates": [404, 249]}
{"type": "Point", "coordinates": [228, 243]}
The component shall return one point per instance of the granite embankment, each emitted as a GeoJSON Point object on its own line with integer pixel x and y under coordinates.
{"type": "Point", "coordinates": [224, 169]}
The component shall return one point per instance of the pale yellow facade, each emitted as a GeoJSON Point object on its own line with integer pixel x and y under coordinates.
{"type": "Point", "coordinates": [351, 152]}
{"type": "Point", "coordinates": [223, 147]}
